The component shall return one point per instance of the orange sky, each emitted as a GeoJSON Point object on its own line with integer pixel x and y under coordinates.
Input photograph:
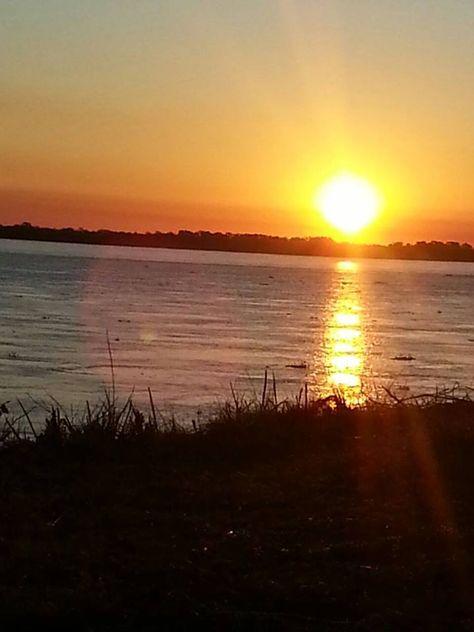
{"type": "Point", "coordinates": [228, 116]}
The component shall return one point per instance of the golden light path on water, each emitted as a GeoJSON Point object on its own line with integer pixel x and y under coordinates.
{"type": "Point", "coordinates": [344, 341]}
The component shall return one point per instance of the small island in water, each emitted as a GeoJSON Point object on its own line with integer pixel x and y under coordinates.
{"type": "Point", "coordinates": [246, 242]}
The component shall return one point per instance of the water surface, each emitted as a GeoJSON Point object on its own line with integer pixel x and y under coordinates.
{"type": "Point", "coordinates": [189, 323]}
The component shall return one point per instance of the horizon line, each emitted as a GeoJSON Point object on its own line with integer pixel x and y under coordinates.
{"type": "Point", "coordinates": [177, 232]}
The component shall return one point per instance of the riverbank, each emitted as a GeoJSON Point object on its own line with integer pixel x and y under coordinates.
{"type": "Point", "coordinates": [303, 516]}
{"type": "Point", "coordinates": [245, 243]}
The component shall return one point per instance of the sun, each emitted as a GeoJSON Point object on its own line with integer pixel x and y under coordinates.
{"type": "Point", "coordinates": [348, 203]}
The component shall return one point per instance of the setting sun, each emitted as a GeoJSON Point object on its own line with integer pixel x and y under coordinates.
{"type": "Point", "coordinates": [348, 203]}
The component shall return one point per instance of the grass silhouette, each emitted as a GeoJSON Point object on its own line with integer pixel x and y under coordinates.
{"type": "Point", "coordinates": [298, 514]}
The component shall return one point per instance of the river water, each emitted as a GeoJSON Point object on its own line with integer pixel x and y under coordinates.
{"type": "Point", "coordinates": [187, 324]}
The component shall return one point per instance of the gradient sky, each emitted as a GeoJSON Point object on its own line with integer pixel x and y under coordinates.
{"type": "Point", "coordinates": [227, 115]}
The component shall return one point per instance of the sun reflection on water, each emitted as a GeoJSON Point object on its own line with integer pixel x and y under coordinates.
{"type": "Point", "coordinates": [347, 266]}
{"type": "Point", "coordinates": [344, 337]}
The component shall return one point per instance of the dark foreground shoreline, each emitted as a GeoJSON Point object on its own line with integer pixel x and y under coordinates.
{"type": "Point", "coordinates": [302, 517]}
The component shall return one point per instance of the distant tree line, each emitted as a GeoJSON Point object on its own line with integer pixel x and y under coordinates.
{"type": "Point", "coordinates": [230, 242]}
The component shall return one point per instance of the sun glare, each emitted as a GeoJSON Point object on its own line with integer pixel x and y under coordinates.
{"type": "Point", "coordinates": [348, 203]}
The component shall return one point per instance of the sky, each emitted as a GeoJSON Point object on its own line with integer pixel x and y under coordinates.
{"type": "Point", "coordinates": [228, 116]}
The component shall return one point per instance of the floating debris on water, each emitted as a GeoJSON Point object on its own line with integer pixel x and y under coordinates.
{"type": "Point", "coordinates": [404, 358]}
{"type": "Point", "coordinates": [300, 365]}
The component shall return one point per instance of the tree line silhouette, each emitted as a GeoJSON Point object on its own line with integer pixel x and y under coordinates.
{"type": "Point", "coordinates": [256, 243]}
